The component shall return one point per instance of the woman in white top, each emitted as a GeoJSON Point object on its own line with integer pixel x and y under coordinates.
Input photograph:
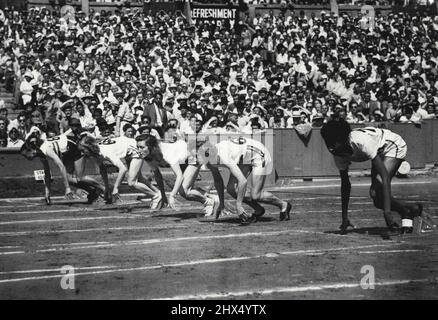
{"type": "Point", "coordinates": [69, 159]}
{"type": "Point", "coordinates": [244, 157]}
{"type": "Point", "coordinates": [175, 153]}
{"type": "Point", "coordinates": [386, 150]}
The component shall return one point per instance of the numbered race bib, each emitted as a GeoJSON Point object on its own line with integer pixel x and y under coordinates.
{"type": "Point", "coordinates": [107, 141]}
{"type": "Point", "coordinates": [240, 140]}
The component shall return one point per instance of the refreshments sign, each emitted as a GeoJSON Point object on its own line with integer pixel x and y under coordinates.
{"type": "Point", "coordinates": [222, 15]}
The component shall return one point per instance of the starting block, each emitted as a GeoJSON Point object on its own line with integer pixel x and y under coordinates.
{"type": "Point", "coordinates": [423, 224]}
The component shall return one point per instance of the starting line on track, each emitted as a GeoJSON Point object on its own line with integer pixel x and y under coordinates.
{"type": "Point", "coordinates": [293, 289]}
{"type": "Point", "coordinates": [269, 255]}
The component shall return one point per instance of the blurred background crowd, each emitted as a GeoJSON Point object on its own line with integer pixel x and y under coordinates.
{"type": "Point", "coordinates": [128, 72]}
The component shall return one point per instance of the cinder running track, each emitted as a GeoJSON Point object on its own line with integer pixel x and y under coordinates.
{"type": "Point", "coordinates": [170, 254]}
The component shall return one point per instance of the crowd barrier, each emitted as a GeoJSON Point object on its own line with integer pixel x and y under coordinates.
{"type": "Point", "coordinates": [292, 157]}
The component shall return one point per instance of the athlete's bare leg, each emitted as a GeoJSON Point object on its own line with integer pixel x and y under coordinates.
{"type": "Point", "coordinates": [187, 190]}
{"type": "Point", "coordinates": [260, 195]}
{"type": "Point", "coordinates": [133, 178]}
{"type": "Point", "coordinates": [232, 187]}
{"type": "Point", "coordinates": [376, 191]}
{"type": "Point", "coordinates": [80, 170]}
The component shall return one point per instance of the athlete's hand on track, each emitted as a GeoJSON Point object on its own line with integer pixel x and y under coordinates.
{"type": "Point", "coordinates": [344, 226]}
{"type": "Point", "coordinates": [172, 203]}
{"type": "Point", "coordinates": [239, 209]}
{"type": "Point", "coordinates": [69, 195]}
{"type": "Point", "coordinates": [47, 197]}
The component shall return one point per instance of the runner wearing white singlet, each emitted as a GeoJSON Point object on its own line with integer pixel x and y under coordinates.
{"type": "Point", "coordinates": [69, 159]}
{"type": "Point", "coordinates": [386, 150]}
{"type": "Point", "coordinates": [119, 151]}
{"type": "Point", "coordinates": [174, 152]}
{"type": "Point", "coordinates": [243, 157]}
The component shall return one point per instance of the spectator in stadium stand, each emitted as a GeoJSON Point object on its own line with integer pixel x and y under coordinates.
{"type": "Point", "coordinates": [3, 126]}
{"type": "Point", "coordinates": [3, 139]}
{"type": "Point", "coordinates": [128, 64]}
{"type": "Point", "coordinates": [3, 111]}
{"type": "Point", "coordinates": [14, 140]}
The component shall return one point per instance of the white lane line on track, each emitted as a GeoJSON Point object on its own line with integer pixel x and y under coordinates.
{"type": "Point", "coordinates": [55, 270]}
{"type": "Point", "coordinates": [128, 228]}
{"type": "Point", "coordinates": [275, 189]}
{"type": "Point", "coordinates": [130, 216]}
{"type": "Point", "coordinates": [11, 252]}
{"type": "Point", "coordinates": [72, 210]}
{"type": "Point", "coordinates": [366, 184]}
{"type": "Point", "coordinates": [101, 212]}
{"type": "Point", "coordinates": [390, 251]}
{"type": "Point", "coordinates": [63, 247]}
{"type": "Point", "coordinates": [205, 261]}
{"type": "Point", "coordinates": [293, 289]}
{"type": "Point", "coordinates": [182, 209]}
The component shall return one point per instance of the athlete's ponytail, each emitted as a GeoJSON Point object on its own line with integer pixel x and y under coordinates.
{"type": "Point", "coordinates": [89, 143]}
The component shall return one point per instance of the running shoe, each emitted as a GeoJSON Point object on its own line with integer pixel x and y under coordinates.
{"type": "Point", "coordinates": [245, 218]}
{"type": "Point", "coordinates": [209, 207]}
{"type": "Point", "coordinates": [156, 203]}
{"type": "Point", "coordinates": [100, 201]}
{"type": "Point", "coordinates": [93, 196]}
{"type": "Point", "coordinates": [257, 214]}
{"type": "Point", "coordinates": [117, 199]}
{"type": "Point", "coordinates": [285, 215]}
{"type": "Point", "coordinates": [216, 204]}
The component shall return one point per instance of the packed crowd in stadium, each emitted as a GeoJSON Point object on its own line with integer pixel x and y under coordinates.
{"type": "Point", "coordinates": [127, 73]}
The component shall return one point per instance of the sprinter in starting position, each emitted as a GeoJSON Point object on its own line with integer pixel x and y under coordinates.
{"type": "Point", "coordinates": [245, 157]}
{"type": "Point", "coordinates": [70, 161]}
{"type": "Point", "coordinates": [387, 151]}
{"type": "Point", "coordinates": [121, 152]}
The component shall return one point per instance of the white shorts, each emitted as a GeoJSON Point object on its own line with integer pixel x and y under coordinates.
{"type": "Point", "coordinates": [262, 166]}
{"type": "Point", "coordinates": [395, 147]}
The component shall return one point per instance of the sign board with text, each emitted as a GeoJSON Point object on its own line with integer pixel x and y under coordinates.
{"type": "Point", "coordinates": [221, 15]}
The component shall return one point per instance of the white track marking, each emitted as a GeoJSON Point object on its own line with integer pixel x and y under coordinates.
{"type": "Point", "coordinates": [11, 252]}
{"type": "Point", "coordinates": [130, 228]}
{"type": "Point", "coordinates": [204, 261]}
{"type": "Point", "coordinates": [294, 289]}
{"type": "Point", "coordinates": [72, 210]}
{"type": "Point", "coordinates": [326, 186]}
{"type": "Point", "coordinates": [275, 189]}
{"type": "Point", "coordinates": [130, 216]}
{"type": "Point", "coordinates": [102, 210]}
{"type": "Point", "coordinates": [56, 270]}
{"type": "Point", "coordinates": [63, 247]}
{"type": "Point", "coordinates": [390, 251]}
{"type": "Point", "coordinates": [106, 244]}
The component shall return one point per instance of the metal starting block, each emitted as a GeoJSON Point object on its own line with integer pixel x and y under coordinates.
{"type": "Point", "coordinates": [423, 224]}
